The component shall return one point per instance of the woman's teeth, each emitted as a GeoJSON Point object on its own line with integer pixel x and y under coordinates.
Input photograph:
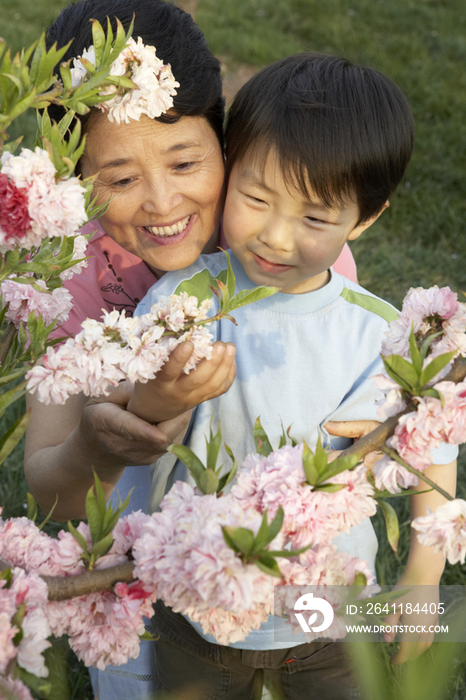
{"type": "Point", "coordinates": [169, 230]}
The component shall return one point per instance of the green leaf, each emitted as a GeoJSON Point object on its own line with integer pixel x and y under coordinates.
{"type": "Point", "coordinates": [11, 396]}
{"type": "Point", "coordinates": [427, 343]}
{"type": "Point", "coordinates": [49, 514]}
{"type": "Point", "coordinates": [414, 352]}
{"type": "Point", "coordinates": [39, 686]}
{"type": "Point", "coordinates": [7, 576]}
{"type": "Point", "coordinates": [13, 435]}
{"type": "Point", "coordinates": [100, 548]}
{"type": "Point", "coordinates": [147, 637]}
{"type": "Point", "coordinates": [391, 523]}
{"type": "Point", "coordinates": [98, 39]}
{"type": "Point", "coordinates": [79, 539]}
{"type": "Point", "coordinates": [330, 488]}
{"type": "Point", "coordinates": [232, 473]}
{"type": "Point", "coordinates": [431, 392]}
{"type": "Point", "coordinates": [396, 377]}
{"type": "Point", "coordinates": [94, 516]}
{"type": "Point", "coordinates": [282, 442]}
{"type": "Point", "coordinates": [404, 369]}
{"type": "Point", "coordinates": [289, 553]}
{"type": "Point", "coordinates": [213, 446]}
{"type": "Point", "coordinates": [208, 482]}
{"type": "Point", "coordinates": [340, 464]}
{"type": "Point", "coordinates": [242, 538]}
{"type": "Point", "coordinates": [32, 507]}
{"type": "Point", "coordinates": [294, 442]}
{"type": "Point", "coordinates": [268, 565]}
{"type": "Point", "coordinates": [100, 494]}
{"type": "Point", "coordinates": [320, 457]}
{"type": "Point", "coordinates": [275, 525]}
{"type": "Point", "coordinates": [261, 440]}
{"type": "Point", "coordinates": [360, 579]}
{"type": "Point", "coordinates": [248, 296]}
{"type": "Point", "coordinates": [228, 539]}
{"type": "Point", "coordinates": [309, 467]}
{"type": "Point", "coordinates": [192, 462]}
{"type": "Point", "coordinates": [230, 281]}
{"type": "Point", "coordinates": [261, 538]}
{"type": "Point", "coordinates": [434, 367]}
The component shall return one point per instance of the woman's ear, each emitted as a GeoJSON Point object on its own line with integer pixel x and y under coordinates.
{"type": "Point", "coordinates": [358, 230]}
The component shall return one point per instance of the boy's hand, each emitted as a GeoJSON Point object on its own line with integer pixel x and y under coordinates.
{"type": "Point", "coordinates": [173, 392]}
{"type": "Point", "coordinates": [355, 429]}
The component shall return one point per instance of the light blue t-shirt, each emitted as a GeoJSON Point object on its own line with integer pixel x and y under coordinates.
{"type": "Point", "coordinates": [302, 359]}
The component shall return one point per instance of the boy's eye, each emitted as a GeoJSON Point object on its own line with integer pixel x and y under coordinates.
{"type": "Point", "coordinates": [314, 220]}
{"type": "Point", "coordinates": [255, 199]}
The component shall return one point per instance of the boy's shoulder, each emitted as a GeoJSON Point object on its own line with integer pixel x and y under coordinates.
{"type": "Point", "coordinates": [196, 280]}
{"type": "Point", "coordinates": [366, 303]}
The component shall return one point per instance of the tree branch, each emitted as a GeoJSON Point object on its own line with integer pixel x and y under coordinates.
{"type": "Point", "coordinates": [62, 588]}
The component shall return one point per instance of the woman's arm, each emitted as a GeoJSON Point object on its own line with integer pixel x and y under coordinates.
{"type": "Point", "coordinates": [65, 444]}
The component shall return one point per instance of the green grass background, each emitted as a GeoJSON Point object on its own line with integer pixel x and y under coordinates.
{"type": "Point", "coordinates": [420, 240]}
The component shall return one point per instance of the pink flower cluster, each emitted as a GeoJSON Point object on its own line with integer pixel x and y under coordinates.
{"type": "Point", "coordinates": [311, 517]}
{"type": "Point", "coordinates": [445, 530]}
{"type": "Point", "coordinates": [104, 353]}
{"type": "Point", "coordinates": [104, 628]}
{"type": "Point", "coordinates": [22, 298]}
{"type": "Point", "coordinates": [182, 552]}
{"type": "Point", "coordinates": [428, 311]}
{"type": "Point", "coordinates": [29, 591]}
{"type": "Point", "coordinates": [13, 688]}
{"type": "Point", "coordinates": [33, 205]}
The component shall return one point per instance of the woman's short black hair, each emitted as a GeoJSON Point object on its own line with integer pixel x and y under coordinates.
{"type": "Point", "coordinates": [177, 39]}
{"type": "Point", "coordinates": [339, 130]}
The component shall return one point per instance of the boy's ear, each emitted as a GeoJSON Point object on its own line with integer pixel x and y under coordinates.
{"type": "Point", "coordinates": [358, 230]}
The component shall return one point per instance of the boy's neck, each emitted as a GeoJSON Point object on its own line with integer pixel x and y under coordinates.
{"type": "Point", "coordinates": [309, 285]}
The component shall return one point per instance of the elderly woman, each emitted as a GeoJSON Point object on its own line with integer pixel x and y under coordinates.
{"type": "Point", "coordinates": [164, 180]}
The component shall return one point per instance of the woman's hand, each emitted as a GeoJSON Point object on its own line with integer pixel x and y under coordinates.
{"type": "Point", "coordinates": [173, 392]}
{"type": "Point", "coordinates": [355, 429]}
{"type": "Point", "coordinates": [120, 437]}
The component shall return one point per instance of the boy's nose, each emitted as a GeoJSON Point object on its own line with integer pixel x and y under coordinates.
{"type": "Point", "coordinates": [277, 236]}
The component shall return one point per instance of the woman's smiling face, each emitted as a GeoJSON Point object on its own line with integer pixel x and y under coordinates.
{"type": "Point", "coordinates": [164, 183]}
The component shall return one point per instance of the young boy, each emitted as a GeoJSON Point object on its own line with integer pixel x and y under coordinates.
{"type": "Point", "coordinates": [315, 147]}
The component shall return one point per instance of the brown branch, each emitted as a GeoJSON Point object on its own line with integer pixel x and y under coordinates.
{"type": "Point", "coordinates": [6, 340]}
{"type": "Point", "coordinates": [62, 588]}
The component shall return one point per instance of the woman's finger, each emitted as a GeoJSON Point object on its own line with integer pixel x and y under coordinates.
{"type": "Point", "coordinates": [351, 429]}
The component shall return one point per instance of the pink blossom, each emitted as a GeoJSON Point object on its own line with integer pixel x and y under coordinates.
{"type": "Point", "coordinates": [14, 216]}
{"type": "Point", "coordinates": [310, 516]}
{"type": "Point", "coordinates": [7, 634]}
{"type": "Point", "coordinates": [104, 353]}
{"type": "Point", "coordinates": [22, 299]}
{"type": "Point", "coordinates": [79, 250]}
{"type": "Point", "coordinates": [428, 311]}
{"type": "Point", "coordinates": [14, 689]}
{"type": "Point", "coordinates": [34, 642]}
{"type": "Point", "coordinates": [392, 476]}
{"type": "Point", "coordinates": [444, 530]}
{"type": "Point", "coordinates": [393, 402]}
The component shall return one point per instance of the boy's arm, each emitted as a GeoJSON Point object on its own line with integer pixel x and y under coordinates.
{"type": "Point", "coordinates": [424, 566]}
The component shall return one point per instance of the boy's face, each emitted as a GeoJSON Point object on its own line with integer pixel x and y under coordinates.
{"type": "Point", "coordinates": [280, 237]}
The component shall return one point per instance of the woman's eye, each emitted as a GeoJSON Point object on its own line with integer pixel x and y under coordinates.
{"type": "Point", "coordinates": [124, 182]}
{"type": "Point", "coordinates": [184, 166]}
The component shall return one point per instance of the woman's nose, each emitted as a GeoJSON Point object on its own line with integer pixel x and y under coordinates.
{"type": "Point", "coordinates": [160, 197]}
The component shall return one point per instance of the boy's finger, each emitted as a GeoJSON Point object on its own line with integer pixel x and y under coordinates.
{"type": "Point", "coordinates": [172, 369]}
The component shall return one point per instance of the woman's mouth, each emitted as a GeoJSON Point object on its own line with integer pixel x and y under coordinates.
{"type": "Point", "coordinates": [166, 235]}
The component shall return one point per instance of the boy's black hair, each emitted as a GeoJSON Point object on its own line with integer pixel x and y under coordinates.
{"type": "Point", "coordinates": [177, 40]}
{"type": "Point", "coordinates": [340, 131]}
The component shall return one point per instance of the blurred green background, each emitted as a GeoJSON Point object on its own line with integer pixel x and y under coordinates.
{"type": "Point", "coordinates": [419, 240]}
